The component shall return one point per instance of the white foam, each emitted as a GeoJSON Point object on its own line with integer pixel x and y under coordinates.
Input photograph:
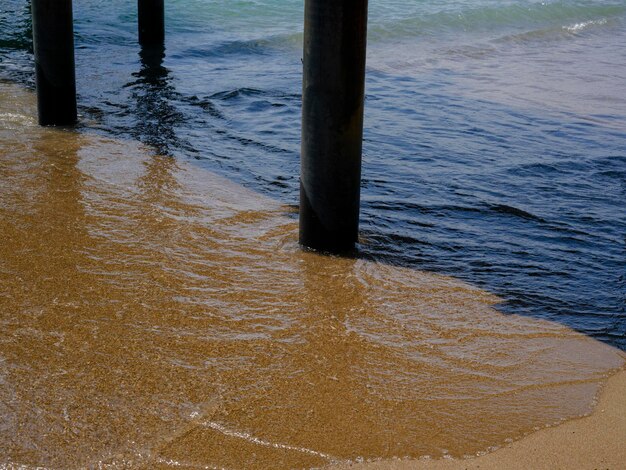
{"type": "Point", "coordinates": [14, 466]}
{"type": "Point", "coordinates": [576, 28]}
{"type": "Point", "coordinates": [176, 463]}
{"type": "Point", "coordinates": [15, 118]}
{"type": "Point", "coordinates": [261, 442]}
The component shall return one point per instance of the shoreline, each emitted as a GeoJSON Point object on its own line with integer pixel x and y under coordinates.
{"type": "Point", "coordinates": [595, 441]}
{"type": "Point", "coordinates": [106, 204]}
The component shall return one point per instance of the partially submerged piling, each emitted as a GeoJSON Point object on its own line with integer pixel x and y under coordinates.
{"type": "Point", "coordinates": [332, 123]}
{"type": "Point", "coordinates": [151, 22]}
{"type": "Point", "coordinates": [53, 41]}
{"type": "Point", "coordinates": [332, 103]}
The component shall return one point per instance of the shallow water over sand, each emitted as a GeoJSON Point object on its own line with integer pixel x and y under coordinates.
{"type": "Point", "coordinates": [155, 315]}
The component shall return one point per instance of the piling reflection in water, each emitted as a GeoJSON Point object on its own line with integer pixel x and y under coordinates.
{"type": "Point", "coordinates": [153, 315]}
{"type": "Point", "coordinates": [152, 92]}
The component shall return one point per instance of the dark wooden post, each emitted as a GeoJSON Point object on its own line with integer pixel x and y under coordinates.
{"type": "Point", "coordinates": [332, 123]}
{"type": "Point", "coordinates": [53, 41]}
{"type": "Point", "coordinates": [151, 21]}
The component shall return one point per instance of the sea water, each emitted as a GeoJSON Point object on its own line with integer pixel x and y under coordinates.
{"type": "Point", "coordinates": [494, 133]}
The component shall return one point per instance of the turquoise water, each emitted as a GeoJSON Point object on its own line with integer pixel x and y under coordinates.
{"type": "Point", "coordinates": [495, 132]}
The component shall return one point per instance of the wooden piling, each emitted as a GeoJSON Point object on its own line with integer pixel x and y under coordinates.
{"type": "Point", "coordinates": [151, 22]}
{"type": "Point", "coordinates": [332, 123]}
{"type": "Point", "coordinates": [53, 41]}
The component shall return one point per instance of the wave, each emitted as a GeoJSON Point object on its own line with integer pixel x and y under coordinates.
{"type": "Point", "coordinates": [578, 27]}
{"type": "Point", "coordinates": [571, 16]}
{"type": "Point", "coordinates": [539, 18]}
{"type": "Point", "coordinates": [260, 45]}
{"type": "Point", "coordinates": [387, 22]}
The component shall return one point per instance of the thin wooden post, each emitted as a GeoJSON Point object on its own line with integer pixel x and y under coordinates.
{"type": "Point", "coordinates": [53, 41]}
{"type": "Point", "coordinates": [332, 123]}
{"type": "Point", "coordinates": [151, 22]}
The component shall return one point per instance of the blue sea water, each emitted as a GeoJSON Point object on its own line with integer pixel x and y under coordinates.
{"type": "Point", "coordinates": [495, 131]}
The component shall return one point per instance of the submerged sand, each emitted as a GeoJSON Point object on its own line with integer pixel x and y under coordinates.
{"type": "Point", "coordinates": [154, 315]}
{"type": "Point", "coordinates": [593, 442]}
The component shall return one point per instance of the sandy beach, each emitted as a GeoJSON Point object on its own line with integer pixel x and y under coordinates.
{"type": "Point", "coordinates": [157, 316]}
{"type": "Point", "coordinates": [284, 234]}
{"type": "Point", "coordinates": [593, 442]}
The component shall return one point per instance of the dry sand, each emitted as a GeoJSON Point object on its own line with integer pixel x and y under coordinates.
{"type": "Point", "coordinates": [597, 441]}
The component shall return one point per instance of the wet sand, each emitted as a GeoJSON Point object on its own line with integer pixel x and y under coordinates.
{"type": "Point", "coordinates": [154, 315]}
{"type": "Point", "coordinates": [593, 442]}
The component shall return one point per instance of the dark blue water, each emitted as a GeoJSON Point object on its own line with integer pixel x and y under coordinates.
{"type": "Point", "coordinates": [495, 132]}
